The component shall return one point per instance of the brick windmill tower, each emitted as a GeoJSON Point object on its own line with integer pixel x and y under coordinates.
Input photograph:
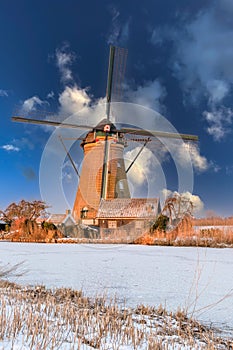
{"type": "Point", "coordinates": [103, 175]}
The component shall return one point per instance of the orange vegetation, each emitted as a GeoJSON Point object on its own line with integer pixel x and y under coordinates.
{"type": "Point", "coordinates": [185, 235]}
{"type": "Point", "coordinates": [213, 221]}
{"type": "Point", "coordinates": [28, 231]}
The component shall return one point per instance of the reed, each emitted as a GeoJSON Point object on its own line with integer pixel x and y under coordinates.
{"type": "Point", "coordinates": [48, 319]}
{"type": "Point", "coordinates": [209, 237]}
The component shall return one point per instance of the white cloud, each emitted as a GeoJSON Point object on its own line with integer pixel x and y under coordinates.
{"type": "Point", "coordinates": [216, 131]}
{"type": "Point", "coordinates": [198, 205]}
{"type": "Point", "coordinates": [161, 34]}
{"type": "Point", "coordinates": [73, 99]}
{"type": "Point", "coordinates": [3, 93]}
{"type": "Point", "coordinates": [149, 164]}
{"type": "Point", "coordinates": [115, 28]}
{"type": "Point", "coordinates": [142, 168]}
{"type": "Point", "coordinates": [23, 143]}
{"type": "Point", "coordinates": [64, 60]}
{"type": "Point", "coordinates": [216, 168]}
{"type": "Point", "coordinates": [204, 54]}
{"type": "Point", "coordinates": [199, 162]}
{"type": "Point", "coordinates": [119, 32]}
{"type": "Point", "coordinates": [124, 33]}
{"type": "Point", "coordinates": [219, 121]}
{"type": "Point", "coordinates": [150, 95]}
{"type": "Point", "coordinates": [17, 145]}
{"type": "Point", "coordinates": [51, 94]}
{"type": "Point", "coordinates": [202, 61]}
{"type": "Point", "coordinates": [146, 176]}
{"type": "Point", "coordinates": [10, 148]}
{"type": "Point", "coordinates": [31, 103]}
{"type": "Point", "coordinates": [165, 193]}
{"type": "Point", "coordinates": [36, 108]}
{"type": "Point", "coordinates": [217, 90]}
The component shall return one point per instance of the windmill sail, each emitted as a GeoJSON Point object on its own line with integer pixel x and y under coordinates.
{"type": "Point", "coordinates": [119, 68]}
{"type": "Point", "coordinates": [116, 73]}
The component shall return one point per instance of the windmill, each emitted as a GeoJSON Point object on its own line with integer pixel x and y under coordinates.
{"type": "Point", "coordinates": [103, 174]}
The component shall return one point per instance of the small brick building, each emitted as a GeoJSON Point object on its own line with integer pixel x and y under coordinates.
{"type": "Point", "coordinates": [126, 217]}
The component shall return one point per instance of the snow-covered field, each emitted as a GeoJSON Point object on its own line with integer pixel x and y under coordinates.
{"type": "Point", "coordinates": [193, 278]}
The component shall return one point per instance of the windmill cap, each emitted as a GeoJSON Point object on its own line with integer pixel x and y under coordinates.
{"type": "Point", "coordinates": [103, 123]}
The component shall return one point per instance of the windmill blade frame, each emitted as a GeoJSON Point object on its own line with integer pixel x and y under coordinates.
{"type": "Point", "coordinates": [151, 133]}
{"type": "Point", "coordinates": [50, 123]}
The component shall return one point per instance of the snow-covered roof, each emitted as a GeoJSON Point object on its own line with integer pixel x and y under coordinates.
{"type": "Point", "coordinates": [136, 208]}
{"type": "Point", "coordinates": [56, 219]}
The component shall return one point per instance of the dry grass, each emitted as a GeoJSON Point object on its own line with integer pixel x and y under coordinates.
{"type": "Point", "coordinates": [62, 318]}
{"type": "Point", "coordinates": [213, 221]}
{"type": "Point", "coordinates": [213, 238]}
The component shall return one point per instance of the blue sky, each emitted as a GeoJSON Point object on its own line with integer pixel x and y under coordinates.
{"type": "Point", "coordinates": [54, 56]}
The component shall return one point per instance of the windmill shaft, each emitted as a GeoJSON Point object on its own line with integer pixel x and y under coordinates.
{"type": "Point", "coordinates": [110, 76]}
{"type": "Point", "coordinates": [109, 94]}
{"type": "Point", "coordinates": [105, 170]}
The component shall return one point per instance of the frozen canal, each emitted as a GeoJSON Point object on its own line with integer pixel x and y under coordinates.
{"type": "Point", "coordinates": [195, 278]}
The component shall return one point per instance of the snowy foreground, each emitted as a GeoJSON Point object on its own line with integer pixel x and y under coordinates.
{"type": "Point", "coordinates": [198, 280]}
{"type": "Point", "coordinates": [39, 318]}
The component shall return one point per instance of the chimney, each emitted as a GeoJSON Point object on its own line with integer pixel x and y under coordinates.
{"type": "Point", "coordinates": [67, 212]}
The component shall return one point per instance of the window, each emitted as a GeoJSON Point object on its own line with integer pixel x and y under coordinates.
{"type": "Point", "coordinates": [112, 224]}
{"type": "Point", "coordinates": [121, 185]}
{"type": "Point", "coordinates": [84, 212]}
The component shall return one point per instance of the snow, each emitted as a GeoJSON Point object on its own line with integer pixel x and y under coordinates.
{"type": "Point", "coordinates": [185, 277]}
{"type": "Point", "coordinates": [37, 318]}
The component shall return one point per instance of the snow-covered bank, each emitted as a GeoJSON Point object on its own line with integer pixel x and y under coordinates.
{"type": "Point", "coordinates": [38, 318]}
{"type": "Point", "coordinates": [191, 278]}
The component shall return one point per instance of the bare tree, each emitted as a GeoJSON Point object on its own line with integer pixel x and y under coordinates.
{"type": "Point", "coordinates": [23, 210]}
{"type": "Point", "coordinates": [176, 207]}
